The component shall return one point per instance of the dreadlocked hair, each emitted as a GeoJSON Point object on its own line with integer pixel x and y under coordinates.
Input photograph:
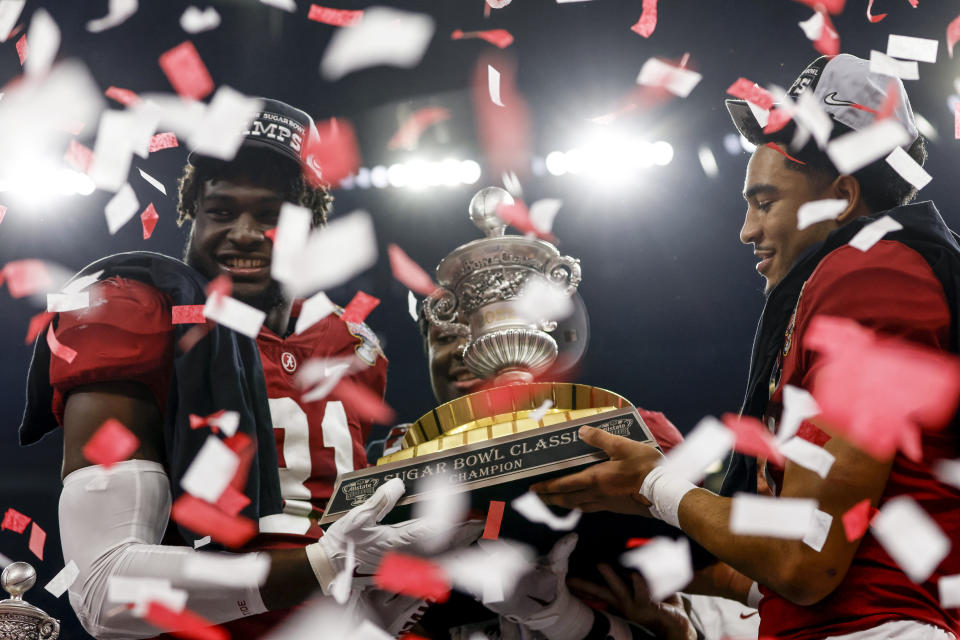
{"type": "Point", "coordinates": [265, 168]}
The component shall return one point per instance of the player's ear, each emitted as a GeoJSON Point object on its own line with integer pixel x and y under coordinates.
{"type": "Point", "coordinates": [846, 187]}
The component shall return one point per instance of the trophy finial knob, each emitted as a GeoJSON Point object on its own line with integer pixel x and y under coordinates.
{"type": "Point", "coordinates": [17, 579]}
{"type": "Point", "coordinates": [483, 210]}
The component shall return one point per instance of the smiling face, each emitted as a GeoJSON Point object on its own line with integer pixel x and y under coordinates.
{"type": "Point", "coordinates": [774, 194]}
{"type": "Point", "coordinates": [449, 376]}
{"type": "Point", "coordinates": [228, 238]}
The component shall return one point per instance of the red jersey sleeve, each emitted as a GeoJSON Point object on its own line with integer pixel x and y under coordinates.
{"type": "Point", "coordinates": [665, 433]}
{"type": "Point", "coordinates": [125, 334]}
{"type": "Point", "coordinates": [890, 289]}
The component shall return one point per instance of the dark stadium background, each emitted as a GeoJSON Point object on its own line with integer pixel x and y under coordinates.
{"type": "Point", "coordinates": [672, 293]}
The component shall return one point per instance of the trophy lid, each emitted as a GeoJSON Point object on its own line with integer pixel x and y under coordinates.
{"type": "Point", "coordinates": [19, 618]}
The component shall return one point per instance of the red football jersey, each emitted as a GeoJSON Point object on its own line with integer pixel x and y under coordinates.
{"type": "Point", "coordinates": [890, 289]}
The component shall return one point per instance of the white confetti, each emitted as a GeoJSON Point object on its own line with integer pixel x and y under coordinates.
{"type": "Point", "coordinates": [441, 506]}
{"type": "Point", "coordinates": [708, 442]}
{"type": "Point", "coordinates": [657, 73]}
{"type": "Point", "coordinates": [543, 212]}
{"type": "Point", "coordinates": [810, 115]}
{"type": "Point", "coordinates": [798, 405]}
{"type": "Point", "coordinates": [412, 306]}
{"type": "Point", "coordinates": [768, 516]}
{"type": "Point", "coordinates": [708, 161]}
{"type": "Point", "coordinates": [318, 376]}
{"type": "Point", "coordinates": [228, 569]}
{"type": "Point", "coordinates": [80, 283]}
{"type": "Point", "coordinates": [221, 131]}
{"type": "Point", "coordinates": [194, 20]}
{"type": "Point", "coordinates": [949, 588]}
{"type": "Point", "coordinates": [908, 168]}
{"type": "Point", "coordinates": [857, 149]}
{"type": "Point", "coordinates": [819, 530]}
{"type": "Point", "coordinates": [153, 181]}
{"type": "Point", "coordinates": [541, 300]}
{"type": "Point", "coordinates": [121, 208]}
{"type": "Point", "coordinates": [369, 631]}
{"type": "Point", "coordinates": [234, 314]}
{"type": "Point", "coordinates": [874, 232]}
{"type": "Point", "coordinates": [201, 542]}
{"type": "Point", "coordinates": [384, 36]}
{"type": "Point", "coordinates": [228, 422]}
{"type": "Point", "coordinates": [885, 65]}
{"type": "Point", "coordinates": [808, 455]}
{"type": "Point", "coordinates": [62, 581]}
{"type": "Point", "coordinates": [10, 11]}
{"type": "Point", "coordinates": [910, 536]}
{"type": "Point", "coordinates": [286, 5]}
{"type": "Point", "coordinates": [44, 39]}
{"type": "Point", "coordinates": [117, 13]}
{"type": "Point", "coordinates": [493, 84]}
{"type": "Point", "coordinates": [475, 569]}
{"type": "Point", "coordinates": [819, 210]}
{"type": "Point", "coordinates": [211, 470]}
{"type": "Point", "coordinates": [664, 563]}
{"type": "Point", "coordinates": [909, 48]}
{"type": "Point", "coordinates": [537, 414]}
{"type": "Point", "coordinates": [314, 309]}
{"type": "Point", "coordinates": [142, 591]}
{"type": "Point", "coordinates": [4, 561]}
{"type": "Point", "coordinates": [59, 302]}
{"type": "Point", "coordinates": [813, 26]}
{"type": "Point", "coordinates": [531, 507]}
{"type": "Point", "coordinates": [761, 115]}
{"type": "Point", "coordinates": [948, 472]}
{"type": "Point", "coordinates": [120, 133]}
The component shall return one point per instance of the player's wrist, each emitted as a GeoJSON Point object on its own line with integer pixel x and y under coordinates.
{"type": "Point", "coordinates": [665, 491]}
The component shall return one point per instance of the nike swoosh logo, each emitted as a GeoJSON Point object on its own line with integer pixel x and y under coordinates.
{"type": "Point", "coordinates": [832, 99]}
{"type": "Point", "coordinates": [749, 615]}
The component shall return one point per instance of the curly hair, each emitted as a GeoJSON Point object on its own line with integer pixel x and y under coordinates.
{"type": "Point", "coordinates": [266, 168]}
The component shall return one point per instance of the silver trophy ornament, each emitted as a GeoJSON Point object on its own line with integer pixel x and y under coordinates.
{"type": "Point", "coordinates": [20, 620]}
{"type": "Point", "coordinates": [480, 283]}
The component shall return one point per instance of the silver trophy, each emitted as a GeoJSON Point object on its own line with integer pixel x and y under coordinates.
{"type": "Point", "coordinates": [480, 283]}
{"type": "Point", "coordinates": [20, 620]}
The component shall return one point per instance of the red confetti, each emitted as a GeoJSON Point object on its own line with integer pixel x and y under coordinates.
{"type": "Point", "coordinates": [208, 520]}
{"type": "Point", "coordinates": [409, 273]}
{"type": "Point", "coordinates": [857, 519]}
{"type": "Point", "coordinates": [149, 219]}
{"type": "Point", "coordinates": [753, 438]}
{"type": "Point", "coordinates": [112, 443]}
{"type": "Point", "coordinates": [123, 96]}
{"type": "Point", "coordinates": [412, 576]}
{"type": "Point", "coordinates": [833, 6]}
{"type": "Point", "coordinates": [503, 132]}
{"type": "Point", "coordinates": [184, 624]}
{"type": "Point", "coordinates": [22, 48]}
{"type": "Point", "coordinates": [491, 529]}
{"type": "Point", "coordinates": [499, 37]}
{"type": "Point", "coordinates": [877, 392]}
{"type": "Point", "coordinates": [777, 120]}
{"type": "Point", "coordinates": [914, 3]}
{"type": "Point", "coordinates": [221, 285]}
{"type": "Point", "coordinates": [232, 501]}
{"type": "Point", "coordinates": [360, 307]}
{"type": "Point", "coordinates": [26, 277]}
{"type": "Point", "coordinates": [648, 19]}
{"type": "Point", "coordinates": [37, 538]}
{"type": "Point", "coordinates": [58, 349]}
{"type": "Point", "coordinates": [413, 127]}
{"type": "Point", "coordinates": [38, 323]}
{"type": "Point", "coordinates": [193, 336]}
{"type": "Point", "coordinates": [873, 18]}
{"type": "Point", "coordinates": [890, 102]}
{"type": "Point", "coordinates": [633, 543]}
{"type": "Point", "coordinates": [829, 41]}
{"type": "Point", "coordinates": [186, 71]}
{"type": "Point", "coordinates": [331, 153]}
{"type": "Point", "coordinates": [749, 91]}
{"type": "Point", "coordinates": [360, 400]}
{"type": "Point", "coordinates": [953, 34]}
{"type": "Point", "coordinates": [187, 314]}
{"type": "Point", "coordinates": [412, 636]}
{"type": "Point", "coordinates": [3, 212]}
{"type": "Point", "coordinates": [14, 521]}
{"type": "Point", "coordinates": [78, 156]}
{"type": "Point", "coordinates": [336, 17]}
{"type": "Point", "coordinates": [73, 127]}
{"type": "Point", "coordinates": [271, 234]}
{"type": "Point", "coordinates": [166, 140]}
{"type": "Point", "coordinates": [778, 149]}
{"type": "Point", "coordinates": [518, 216]}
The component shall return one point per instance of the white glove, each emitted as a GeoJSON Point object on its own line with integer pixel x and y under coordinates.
{"type": "Point", "coordinates": [541, 600]}
{"type": "Point", "coordinates": [370, 540]}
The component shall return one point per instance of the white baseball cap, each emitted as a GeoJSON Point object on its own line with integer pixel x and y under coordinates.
{"type": "Point", "coordinates": [847, 91]}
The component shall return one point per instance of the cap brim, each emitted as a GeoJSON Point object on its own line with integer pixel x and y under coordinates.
{"type": "Point", "coordinates": [746, 123]}
{"type": "Point", "coordinates": [195, 158]}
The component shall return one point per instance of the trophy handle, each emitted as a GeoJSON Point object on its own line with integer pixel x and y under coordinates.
{"type": "Point", "coordinates": [440, 308]}
{"type": "Point", "coordinates": [563, 270]}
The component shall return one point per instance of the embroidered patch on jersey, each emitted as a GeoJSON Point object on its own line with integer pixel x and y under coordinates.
{"type": "Point", "coordinates": [369, 347]}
